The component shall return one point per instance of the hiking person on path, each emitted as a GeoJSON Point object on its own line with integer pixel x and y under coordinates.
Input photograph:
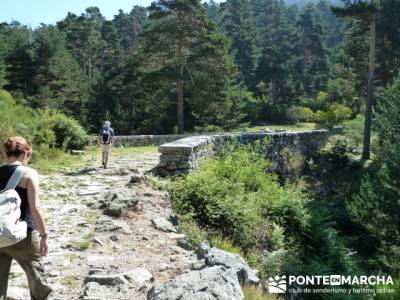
{"type": "Point", "coordinates": [106, 139]}
{"type": "Point", "coordinates": [17, 181]}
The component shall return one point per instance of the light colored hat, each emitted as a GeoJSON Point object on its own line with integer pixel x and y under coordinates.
{"type": "Point", "coordinates": [107, 123]}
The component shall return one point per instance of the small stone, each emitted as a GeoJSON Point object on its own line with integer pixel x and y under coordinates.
{"type": "Point", "coordinates": [110, 280]}
{"type": "Point", "coordinates": [114, 238]}
{"type": "Point", "coordinates": [136, 178]}
{"type": "Point", "coordinates": [77, 152]}
{"type": "Point", "coordinates": [98, 241]}
{"type": "Point", "coordinates": [114, 210]}
{"type": "Point", "coordinates": [95, 271]}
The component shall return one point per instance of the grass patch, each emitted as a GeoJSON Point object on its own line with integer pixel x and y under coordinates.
{"type": "Point", "coordinates": [72, 257]}
{"type": "Point", "coordinates": [253, 293]}
{"type": "Point", "coordinates": [157, 183]}
{"type": "Point", "coordinates": [128, 151]}
{"type": "Point", "coordinates": [91, 217]}
{"type": "Point", "coordinates": [70, 281]}
{"type": "Point", "coordinates": [289, 127]}
{"type": "Point", "coordinates": [224, 244]}
{"type": "Point", "coordinates": [50, 161]}
{"type": "Point", "coordinates": [84, 243]}
{"type": "Point", "coordinates": [193, 232]}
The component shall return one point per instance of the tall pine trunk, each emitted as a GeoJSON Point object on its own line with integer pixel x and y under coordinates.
{"type": "Point", "coordinates": [370, 90]}
{"type": "Point", "coordinates": [179, 83]}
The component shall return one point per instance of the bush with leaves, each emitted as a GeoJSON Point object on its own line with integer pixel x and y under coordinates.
{"type": "Point", "coordinates": [15, 119]}
{"type": "Point", "coordinates": [304, 114]}
{"type": "Point", "coordinates": [233, 195]}
{"type": "Point", "coordinates": [353, 129]}
{"type": "Point", "coordinates": [336, 114]}
{"type": "Point", "coordinates": [68, 132]}
{"type": "Point", "coordinates": [41, 127]}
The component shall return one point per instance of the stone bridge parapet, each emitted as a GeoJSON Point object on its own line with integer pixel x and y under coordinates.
{"type": "Point", "coordinates": [287, 151]}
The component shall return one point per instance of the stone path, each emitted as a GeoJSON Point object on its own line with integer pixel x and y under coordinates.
{"type": "Point", "coordinates": [88, 247]}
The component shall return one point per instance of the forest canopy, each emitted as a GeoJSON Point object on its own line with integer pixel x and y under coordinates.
{"type": "Point", "coordinates": [190, 66]}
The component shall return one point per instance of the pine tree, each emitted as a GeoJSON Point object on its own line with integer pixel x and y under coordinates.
{"type": "Point", "coordinates": [130, 25]}
{"type": "Point", "coordinates": [183, 51]}
{"type": "Point", "coordinates": [388, 41]}
{"type": "Point", "coordinates": [84, 40]}
{"type": "Point", "coordinates": [213, 10]}
{"type": "Point", "coordinates": [331, 24]}
{"type": "Point", "coordinates": [235, 23]}
{"type": "Point", "coordinates": [61, 81]}
{"type": "Point", "coordinates": [3, 80]}
{"type": "Point", "coordinates": [15, 49]}
{"type": "Point", "coordinates": [275, 70]}
{"type": "Point", "coordinates": [366, 11]}
{"type": "Point", "coordinates": [312, 66]}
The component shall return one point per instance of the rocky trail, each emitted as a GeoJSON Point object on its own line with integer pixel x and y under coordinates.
{"type": "Point", "coordinates": [112, 236]}
{"type": "Point", "coordinates": [127, 251]}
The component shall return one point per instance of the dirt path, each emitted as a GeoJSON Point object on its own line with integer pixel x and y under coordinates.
{"type": "Point", "coordinates": [84, 241]}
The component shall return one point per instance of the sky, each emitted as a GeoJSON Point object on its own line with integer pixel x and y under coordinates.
{"type": "Point", "coordinates": [34, 12]}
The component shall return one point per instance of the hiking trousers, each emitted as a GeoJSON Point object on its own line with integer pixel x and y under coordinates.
{"type": "Point", "coordinates": [27, 254]}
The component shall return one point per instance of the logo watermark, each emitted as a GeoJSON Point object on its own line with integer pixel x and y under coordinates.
{"type": "Point", "coordinates": [336, 284]}
{"type": "Point", "coordinates": [277, 285]}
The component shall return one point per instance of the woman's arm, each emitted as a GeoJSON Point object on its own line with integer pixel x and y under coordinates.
{"type": "Point", "coordinates": [34, 208]}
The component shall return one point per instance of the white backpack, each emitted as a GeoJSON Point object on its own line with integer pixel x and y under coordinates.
{"type": "Point", "coordinates": [12, 230]}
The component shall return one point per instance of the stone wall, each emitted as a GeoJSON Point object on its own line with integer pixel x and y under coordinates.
{"type": "Point", "coordinates": [147, 140]}
{"type": "Point", "coordinates": [287, 151]}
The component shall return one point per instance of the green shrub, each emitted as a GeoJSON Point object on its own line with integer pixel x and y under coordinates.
{"type": "Point", "coordinates": [291, 116]}
{"type": "Point", "coordinates": [68, 132]}
{"type": "Point", "coordinates": [340, 112]}
{"type": "Point", "coordinates": [42, 127]}
{"type": "Point", "coordinates": [193, 232]}
{"type": "Point", "coordinates": [233, 195]}
{"type": "Point", "coordinates": [336, 114]}
{"type": "Point", "coordinates": [224, 244]}
{"type": "Point", "coordinates": [354, 130]}
{"type": "Point", "coordinates": [321, 100]}
{"type": "Point", "coordinates": [304, 114]}
{"type": "Point", "coordinates": [15, 119]}
{"type": "Point", "coordinates": [208, 128]}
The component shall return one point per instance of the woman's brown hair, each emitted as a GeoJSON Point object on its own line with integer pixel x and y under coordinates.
{"type": "Point", "coordinates": [16, 145]}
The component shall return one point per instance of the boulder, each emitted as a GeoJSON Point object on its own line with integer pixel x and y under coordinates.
{"type": "Point", "coordinates": [103, 225]}
{"type": "Point", "coordinates": [95, 291]}
{"type": "Point", "coordinates": [116, 201]}
{"type": "Point", "coordinates": [215, 283]}
{"type": "Point", "coordinates": [233, 261]}
{"type": "Point", "coordinates": [163, 224]}
{"type": "Point", "coordinates": [184, 243]}
{"type": "Point", "coordinates": [138, 277]}
{"type": "Point", "coordinates": [114, 210]}
{"type": "Point", "coordinates": [203, 249]}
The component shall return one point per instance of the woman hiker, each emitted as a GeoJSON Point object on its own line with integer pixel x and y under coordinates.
{"type": "Point", "coordinates": [27, 252]}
